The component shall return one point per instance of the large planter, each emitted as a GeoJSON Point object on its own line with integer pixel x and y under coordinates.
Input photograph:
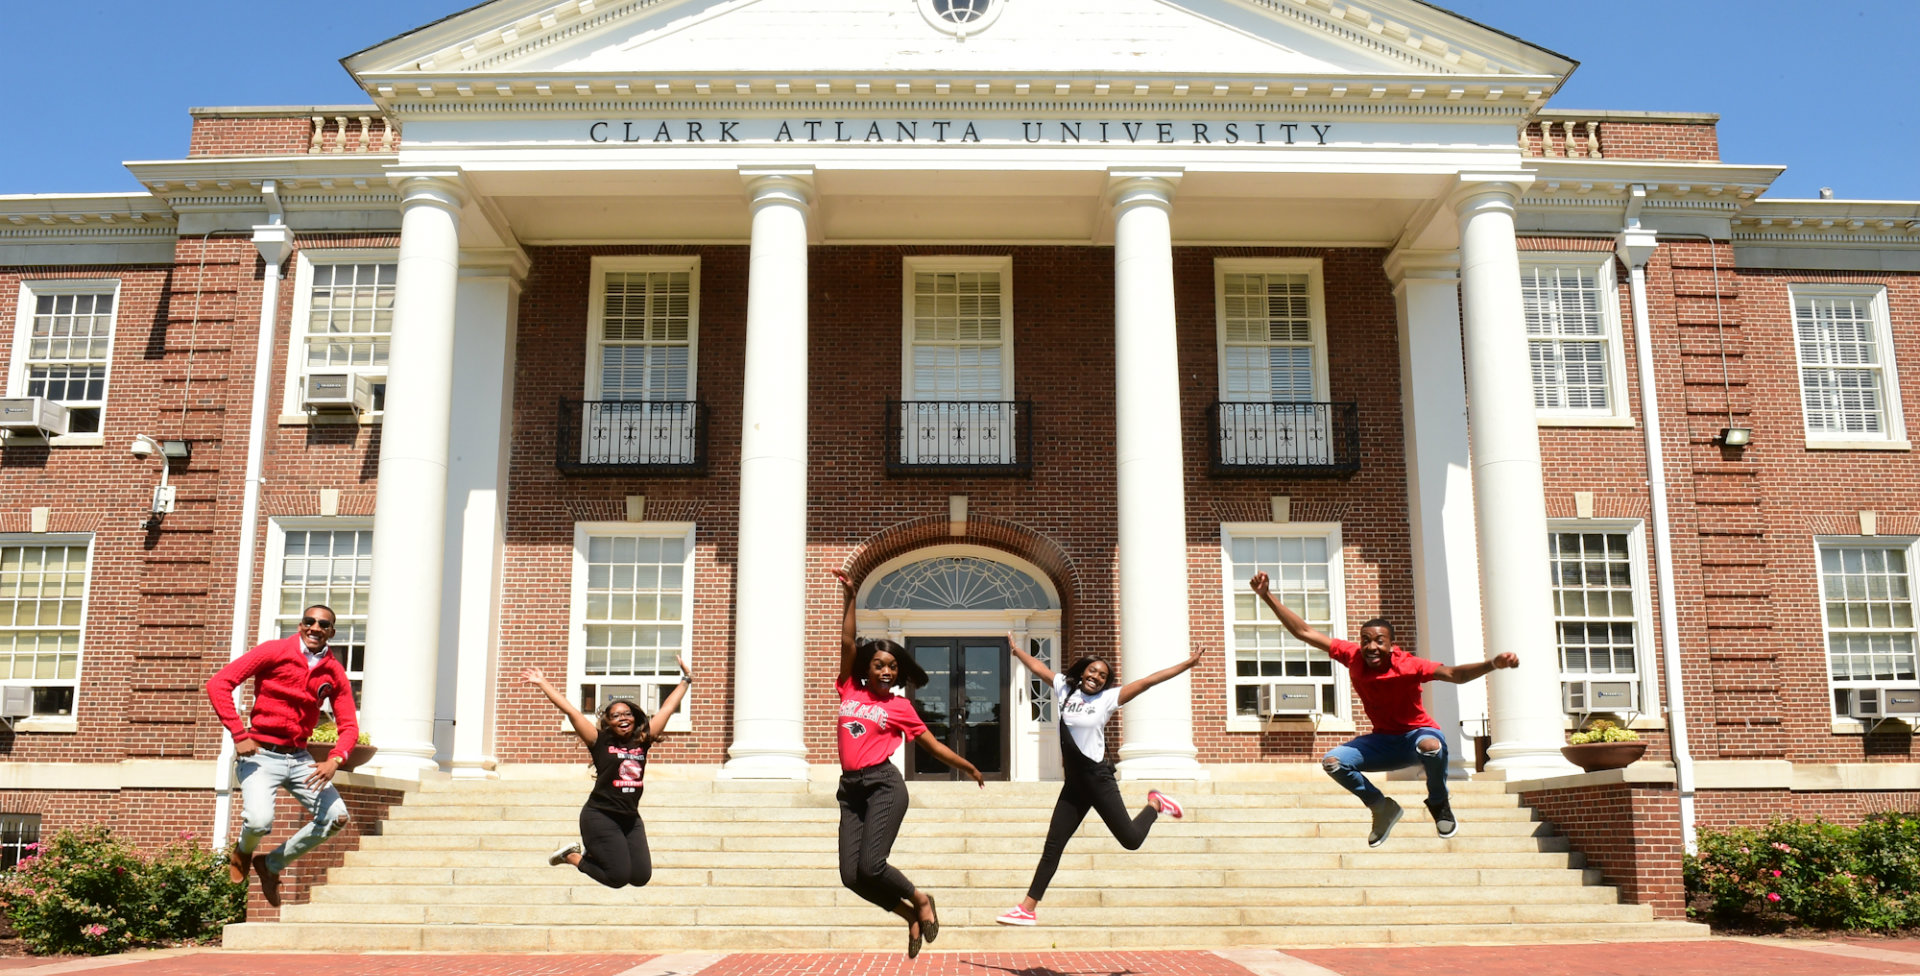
{"type": "Point", "coordinates": [360, 754]}
{"type": "Point", "coordinates": [1592, 756]}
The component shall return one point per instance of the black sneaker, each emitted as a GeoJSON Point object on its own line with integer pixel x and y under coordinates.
{"type": "Point", "coordinates": [1443, 819]}
{"type": "Point", "coordinates": [1386, 813]}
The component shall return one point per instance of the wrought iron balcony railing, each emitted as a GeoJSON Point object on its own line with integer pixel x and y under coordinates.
{"type": "Point", "coordinates": [632, 437]}
{"type": "Point", "coordinates": [1285, 439]}
{"type": "Point", "coordinates": [966, 437]}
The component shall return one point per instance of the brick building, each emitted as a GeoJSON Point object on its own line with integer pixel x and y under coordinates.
{"type": "Point", "coordinates": [606, 330]}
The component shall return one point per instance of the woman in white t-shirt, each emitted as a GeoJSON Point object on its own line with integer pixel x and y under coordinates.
{"type": "Point", "coordinates": [1085, 698]}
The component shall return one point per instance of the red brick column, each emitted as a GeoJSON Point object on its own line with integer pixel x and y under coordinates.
{"type": "Point", "coordinates": [1630, 831]}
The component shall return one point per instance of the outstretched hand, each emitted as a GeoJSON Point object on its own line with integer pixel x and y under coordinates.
{"type": "Point", "coordinates": [681, 660]}
{"type": "Point", "coordinates": [846, 582]}
{"type": "Point", "coordinates": [1507, 660]}
{"type": "Point", "coordinates": [973, 773]}
{"type": "Point", "coordinates": [1259, 583]}
{"type": "Point", "coordinates": [534, 676]}
{"type": "Point", "coordinates": [1194, 658]}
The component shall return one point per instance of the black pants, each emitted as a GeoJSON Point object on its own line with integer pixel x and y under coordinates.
{"type": "Point", "coordinates": [1089, 788]}
{"type": "Point", "coordinates": [873, 801]}
{"type": "Point", "coordinates": [616, 854]}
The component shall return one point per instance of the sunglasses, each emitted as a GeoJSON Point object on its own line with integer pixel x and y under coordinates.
{"type": "Point", "coordinates": [316, 622]}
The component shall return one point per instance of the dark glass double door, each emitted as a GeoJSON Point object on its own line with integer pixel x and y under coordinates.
{"type": "Point", "coordinates": [964, 704]}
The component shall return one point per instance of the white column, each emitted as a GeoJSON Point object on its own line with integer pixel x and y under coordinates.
{"type": "Point", "coordinates": [1510, 500]}
{"type": "Point", "coordinates": [410, 505]}
{"type": "Point", "coordinates": [769, 633]}
{"type": "Point", "coordinates": [1433, 390]}
{"type": "Point", "coordinates": [486, 319]}
{"type": "Point", "coordinates": [1156, 729]}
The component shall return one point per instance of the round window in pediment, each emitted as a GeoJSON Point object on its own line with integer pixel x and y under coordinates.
{"type": "Point", "coordinates": [962, 17]}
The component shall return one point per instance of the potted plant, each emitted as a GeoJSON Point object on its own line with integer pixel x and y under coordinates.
{"type": "Point", "coordinates": [1603, 744]}
{"type": "Point", "coordinates": [321, 743]}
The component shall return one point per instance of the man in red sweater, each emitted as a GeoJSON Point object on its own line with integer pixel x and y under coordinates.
{"type": "Point", "coordinates": [292, 676]}
{"type": "Point", "coordinates": [1387, 681]}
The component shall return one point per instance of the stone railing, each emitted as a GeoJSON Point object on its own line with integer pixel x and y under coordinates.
{"type": "Point", "coordinates": [353, 134]}
{"type": "Point", "coordinates": [1562, 138]}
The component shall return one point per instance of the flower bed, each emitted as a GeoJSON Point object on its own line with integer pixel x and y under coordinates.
{"type": "Point", "coordinates": [85, 892]}
{"type": "Point", "coordinates": [1814, 874]}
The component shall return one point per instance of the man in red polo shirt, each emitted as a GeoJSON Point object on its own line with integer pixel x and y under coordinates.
{"type": "Point", "coordinates": [1388, 681]}
{"type": "Point", "coordinates": [292, 676]}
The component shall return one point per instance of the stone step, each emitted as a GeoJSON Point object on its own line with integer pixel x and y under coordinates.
{"type": "Point", "coordinates": [1092, 839]}
{"type": "Point", "coordinates": [567, 889]}
{"type": "Point", "coordinates": [1144, 860]}
{"type": "Point", "coordinates": [986, 799]}
{"type": "Point", "coordinates": [1348, 811]}
{"type": "Point", "coordinates": [1448, 872]}
{"type": "Point", "coordinates": [955, 916]}
{"type": "Point", "coordinates": [514, 835]}
{"type": "Point", "coordinates": [439, 790]}
{"type": "Point", "coordinates": [683, 937]}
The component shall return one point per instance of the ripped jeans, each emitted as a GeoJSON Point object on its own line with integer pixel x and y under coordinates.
{"type": "Point", "coordinates": [262, 774]}
{"type": "Point", "coordinates": [1378, 752]}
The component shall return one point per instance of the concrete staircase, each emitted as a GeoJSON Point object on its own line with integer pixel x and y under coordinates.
{"type": "Point", "coordinates": [461, 866]}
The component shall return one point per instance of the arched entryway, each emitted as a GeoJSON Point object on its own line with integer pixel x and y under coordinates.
{"type": "Point", "coordinates": [954, 607]}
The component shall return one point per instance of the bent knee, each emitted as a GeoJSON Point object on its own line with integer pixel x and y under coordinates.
{"type": "Point", "coordinates": [257, 823]}
{"type": "Point", "coordinates": [640, 879]}
{"type": "Point", "coordinates": [1428, 745]}
{"type": "Point", "coordinates": [1132, 843]}
{"type": "Point", "coordinates": [1332, 763]}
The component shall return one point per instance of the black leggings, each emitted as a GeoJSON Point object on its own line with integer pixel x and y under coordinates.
{"type": "Point", "coordinates": [616, 849]}
{"type": "Point", "coordinates": [1090, 788]}
{"type": "Point", "coordinates": [873, 801]}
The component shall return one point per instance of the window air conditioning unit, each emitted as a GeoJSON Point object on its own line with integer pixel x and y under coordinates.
{"type": "Point", "coordinates": [1588, 697]}
{"type": "Point", "coordinates": [1881, 703]}
{"type": "Point", "coordinates": [336, 391]}
{"type": "Point", "coordinates": [1289, 699]}
{"type": "Point", "coordinates": [32, 415]}
{"type": "Point", "coordinates": [16, 701]}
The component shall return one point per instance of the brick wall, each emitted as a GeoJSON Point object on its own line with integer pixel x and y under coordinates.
{"type": "Point", "coordinates": [216, 136]}
{"type": "Point", "coordinates": [1630, 832]}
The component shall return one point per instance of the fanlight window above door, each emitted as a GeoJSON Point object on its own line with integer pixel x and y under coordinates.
{"type": "Point", "coordinates": [958, 583]}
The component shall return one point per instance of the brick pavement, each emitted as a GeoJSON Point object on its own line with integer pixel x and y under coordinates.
{"type": "Point", "coordinates": [1715, 957]}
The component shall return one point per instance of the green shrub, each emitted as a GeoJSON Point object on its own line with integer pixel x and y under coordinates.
{"type": "Point", "coordinates": [85, 892]}
{"type": "Point", "coordinates": [1603, 730]}
{"type": "Point", "coordinates": [327, 733]}
{"type": "Point", "coordinates": [1815, 874]}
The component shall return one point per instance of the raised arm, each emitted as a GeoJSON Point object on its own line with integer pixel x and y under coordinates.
{"type": "Point", "coordinates": [846, 624]}
{"type": "Point", "coordinates": [1031, 663]}
{"type": "Point", "coordinates": [1133, 688]}
{"type": "Point", "coordinates": [1460, 674]}
{"type": "Point", "coordinates": [589, 734]}
{"type": "Point", "coordinates": [941, 752]}
{"type": "Point", "coordinates": [658, 723]}
{"type": "Point", "coordinates": [1295, 624]}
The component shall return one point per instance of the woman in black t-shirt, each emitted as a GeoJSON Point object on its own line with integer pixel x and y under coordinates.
{"type": "Point", "coordinates": [615, 841]}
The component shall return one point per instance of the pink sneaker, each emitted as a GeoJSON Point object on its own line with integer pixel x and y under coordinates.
{"type": "Point", "coordinates": [1017, 916]}
{"type": "Point", "coordinates": [1167, 805]}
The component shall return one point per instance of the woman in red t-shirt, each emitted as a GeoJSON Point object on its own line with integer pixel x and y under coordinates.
{"type": "Point", "coordinates": [872, 723]}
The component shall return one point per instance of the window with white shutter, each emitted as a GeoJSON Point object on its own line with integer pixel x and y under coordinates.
{"type": "Point", "coordinates": [1573, 338]}
{"type": "Point", "coordinates": [643, 346]}
{"type": "Point", "coordinates": [957, 395]}
{"type": "Point", "coordinates": [1273, 362]}
{"type": "Point", "coordinates": [1848, 389]}
{"type": "Point", "coordinates": [63, 350]}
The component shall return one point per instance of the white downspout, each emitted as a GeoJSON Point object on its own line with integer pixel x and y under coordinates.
{"type": "Point", "coordinates": [1635, 244]}
{"type": "Point", "coordinates": [275, 243]}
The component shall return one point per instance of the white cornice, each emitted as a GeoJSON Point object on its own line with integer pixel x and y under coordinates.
{"type": "Point", "coordinates": [1705, 188]}
{"type": "Point", "coordinates": [1849, 224]}
{"type": "Point", "coordinates": [89, 218]}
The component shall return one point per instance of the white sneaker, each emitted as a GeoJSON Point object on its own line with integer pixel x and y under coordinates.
{"type": "Point", "coordinates": [559, 857]}
{"type": "Point", "coordinates": [1167, 805]}
{"type": "Point", "coordinates": [1017, 916]}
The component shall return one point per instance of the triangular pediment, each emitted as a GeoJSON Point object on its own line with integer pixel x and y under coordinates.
{"type": "Point", "coordinates": [869, 38]}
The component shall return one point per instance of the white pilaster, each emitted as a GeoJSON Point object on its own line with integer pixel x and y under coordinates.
{"type": "Point", "coordinates": [1156, 729]}
{"type": "Point", "coordinates": [769, 634]}
{"type": "Point", "coordinates": [410, 505]}
{"type": "Point", "coordinates": [486, 319]}
{"type": "Point", "coordinates": [1433, 392]}
{"type": "Point", "coordinates": [1510, 501]}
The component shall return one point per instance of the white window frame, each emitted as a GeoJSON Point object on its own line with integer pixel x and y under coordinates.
{"type": "Point", "coordinates": [1894, 438]}
{"type": "Point", "coordinates": [304, 262]}
{"type": "Point", "coordinates": [583, 532]}
{"type": "Point", "coordinates": [1341, 720]}
{"type": "Point", "coordinates": [71, 721]}
{"type": "Point", "coordinates": [1645, 661]}
{"type": "Point", "coordinates": [1842, 723]}
{"type": "Point", "coordinates": [271, 576]}
{"type": "Point", "coordinates": [1314, 269]}
{"type": "Point", "coordinates": [915, 264]}
{"type": "Point", "coordinates": [1619, 412]}
{"type": "Point", "coordinates": [32, 289]}
{"type": "Point", "coordinates": [599, 268]}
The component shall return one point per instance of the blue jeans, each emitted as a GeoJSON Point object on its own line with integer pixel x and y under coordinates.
{"type": "Point", "coordinates": [1378, 752]}
{"type": "Point", "coordinates": [261, 777]}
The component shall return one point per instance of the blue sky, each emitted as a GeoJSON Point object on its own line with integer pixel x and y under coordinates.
{"type": "Point", "coordinates": [1827, 89]}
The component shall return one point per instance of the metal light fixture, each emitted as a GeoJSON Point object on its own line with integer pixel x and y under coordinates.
{"type": "Point", "coordinates": [1736, 436]}
{"type": "Point", "coordinates": [176, 450]}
